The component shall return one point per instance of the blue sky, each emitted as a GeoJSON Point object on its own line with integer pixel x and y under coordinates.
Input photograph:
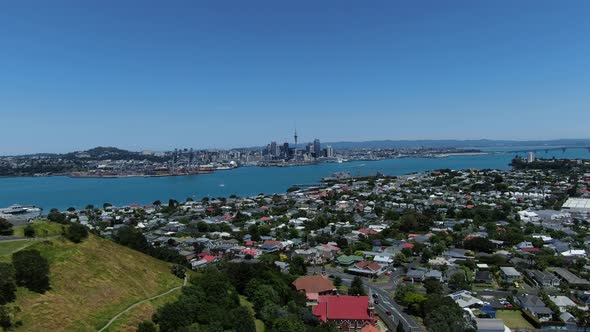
{"type": "Point", "coordinates": [218, 74]}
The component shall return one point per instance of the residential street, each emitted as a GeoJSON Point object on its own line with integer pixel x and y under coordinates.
{"type": "Point", "coordinates": [385, 303]}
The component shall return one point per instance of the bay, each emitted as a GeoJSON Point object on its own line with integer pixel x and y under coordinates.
{"type": "Point", "coordinates": [63, 192]}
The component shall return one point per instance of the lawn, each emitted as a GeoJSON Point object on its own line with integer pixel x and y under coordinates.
{"type": "Point", "coordinates": [90, 283]}
{"type": "Point", "coordinates": [42, 228]}
{"type": "Point", "coordinates": [8, 247]}
{"type": "Point", "coordinates": [513, 319]}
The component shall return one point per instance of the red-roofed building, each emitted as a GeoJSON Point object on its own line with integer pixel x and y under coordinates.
{"type": "Point", "coordinates": [368, 231]}
{"type": "Point", "coordinates": [349, 313]}
{"type": "Point", "coordinates": [205, 259]}
{"type": "Point", "coordinates": [313, 286]}
{"type": "Point", "coordinates": [366, 268]}
{"type": "Point", "coordinates": [251, 251]}
{"type": "Point", "coordinates": [408, 245]}
{"type": "Point", "coordinates": [330, 247]}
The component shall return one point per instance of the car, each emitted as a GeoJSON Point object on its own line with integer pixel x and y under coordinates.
{"type": "Point", "coordinates": [375, 296]}
{"type": "Point", "coordinates": [388, 273]}
{"type": "Point", "coordinates": [376, 302]}
{"type": "Point", "coordinates": [331, 276]}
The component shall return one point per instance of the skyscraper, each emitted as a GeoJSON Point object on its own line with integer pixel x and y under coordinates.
{"type": "Point", "coordinates": [329, 152]}
{"type": "Point", "coordinates": [317, 149]}
{"type": "Point", "coordinates": [274, 149]}
{"type": "Point", "coordinates": [530, 157]}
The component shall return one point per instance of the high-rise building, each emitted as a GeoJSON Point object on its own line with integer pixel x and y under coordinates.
{"type": "Point", "coordinates": [317, 148]}
{"type": "Point", "coordinates": [285, 150]}
{"type": "Point", "coordinates": [530, 157]}
{"type": "Point", "coordinates": [309, 149]}
{"type": "Point", "coordinates": [274, 149]}
{"type": "Point", "coordinates": [329, 151]}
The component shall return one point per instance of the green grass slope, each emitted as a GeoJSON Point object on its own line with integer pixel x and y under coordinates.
{"type": "Point", "coordinates": [43, 228]}
{"type": "Point", "coordinates": [91, 282]}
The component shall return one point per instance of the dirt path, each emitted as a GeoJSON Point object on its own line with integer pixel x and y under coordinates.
{"type": "Point", "coordinates": [141, 302]}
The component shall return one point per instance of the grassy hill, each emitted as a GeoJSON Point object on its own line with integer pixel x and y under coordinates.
{"type": "Point", "coordinates": [91, 282]}
{"type": "Point", "coordinates": [42, 228]}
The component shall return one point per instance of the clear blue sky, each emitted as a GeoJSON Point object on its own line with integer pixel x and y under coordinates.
{"type": "Point", "coordinates": [219, 74]}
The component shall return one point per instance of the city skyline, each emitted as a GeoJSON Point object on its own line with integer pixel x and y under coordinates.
{"type": "Point", "coordinates": [141, 75]}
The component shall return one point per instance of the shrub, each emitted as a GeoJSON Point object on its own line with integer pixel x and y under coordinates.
{"type": "Point", "coordinates": [32, 270]}
{"type": "Point", "coordinates": [76, 233]}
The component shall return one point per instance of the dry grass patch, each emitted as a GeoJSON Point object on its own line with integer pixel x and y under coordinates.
{"type": "Point", "coordinates": [91, 282]}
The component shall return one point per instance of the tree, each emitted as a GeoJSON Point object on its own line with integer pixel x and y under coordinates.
{"type": "Point", "coordinates": [242, 320]}
{"type": "Point", "coordinates": [479, 244]}
{"type": "Point", "coordinates": [131, 238]}
{"type": "Point", "coordinates": [399, 259]}
{"type": "Point", "coordinates": [56, 216]}
{"type": "Point", "coordinates": [29, 231]}
{"type": "Point", "coordinates": [5, 227]}
{"type": "Point", "coordinates": [32, 270]}
{"type": "Point", "coordinates": [400, 327]}
{"type": "Point", "coordinates": [337, 281]}
{"type": "Point", "coordinates": [441, 313]}
{"type": "Point", "coordinates": [178, 270]}
{"type": "Point", "coordinates": [76, 233]}
{"type": "Point", "coordinates": [459, 281]}
{"type": "Point", "coordinates": [288, 324]}
{"type": "Point", "coordinates": [147, 326]}
{"type": "Point", "coordinates": [7, 283]}
{"type": "Point", "coordinates": [297, 266]}
{"type": "Point", "coordinates": [433, 286]}
{"type": "Point", "coordinates": [5, 318]}
{"type": "Point", "coordinates": [356, 287]}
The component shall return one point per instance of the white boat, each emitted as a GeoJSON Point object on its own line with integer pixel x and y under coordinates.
{"type": "Point", "coordinates": [20, 209]}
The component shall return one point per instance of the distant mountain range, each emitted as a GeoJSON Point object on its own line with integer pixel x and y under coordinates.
{"type": "Point", "coordinates": [101, 153]}
{"type": "Point", "coordinates": [390, 144]}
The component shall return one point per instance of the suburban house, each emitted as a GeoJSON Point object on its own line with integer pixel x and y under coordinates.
{"type": "Point", "coordinates": [346, 260]}
{"type": "Point", "coordinates": [349, 313]}
{"type": "Point", "coordinates": [490, 325]}
{"type": "Point", "coordinates": [415, 275]}
{"type": "Point", "coordinates": [543, 278]}
{"type": "Point", "coordinates": [484, 277]}
{"type": "Point", "coordinates": [535, 306]}
{"type": "Point", "coordinates": [366, 268]}
{"type": "Point", "coordinates": [314, 286]}
{"type": "Point", "coordinates": [562, 302]}
{"type": "Point", "coordinates": [464, 299]}
{"type": "Point", "coordinates": [570, 278]}
{"type": "Point", "coordinates": [509, 274]}
{"type": "Point", "coordinates": [205, 260]}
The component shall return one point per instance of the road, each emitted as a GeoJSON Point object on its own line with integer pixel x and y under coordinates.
{"type": "Point", "coordinates": [385, 303]}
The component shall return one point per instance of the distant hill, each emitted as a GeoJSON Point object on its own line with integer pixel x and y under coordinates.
{"type": "Point", "coordinates": [390, 144]}
{"type": "Point", "coordinates": [91, 282]}
{"type": "Point", "coordinates": [112, 153]}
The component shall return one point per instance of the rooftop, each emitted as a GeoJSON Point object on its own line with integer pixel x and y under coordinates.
{"type": "Point", "coordinates": [333, 307]}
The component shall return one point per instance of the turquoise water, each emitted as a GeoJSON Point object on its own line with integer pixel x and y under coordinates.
{"type": "Point", "coordinates": [63, 192]}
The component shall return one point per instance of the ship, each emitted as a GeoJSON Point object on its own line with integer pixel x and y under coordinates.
{"type": "Point", "coordinates": [16, 209]}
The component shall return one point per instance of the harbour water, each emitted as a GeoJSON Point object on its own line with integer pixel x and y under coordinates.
{"type": "Point", "coordinates": [63, 192]}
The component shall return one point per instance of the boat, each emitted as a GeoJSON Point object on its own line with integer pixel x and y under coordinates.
{"type": "Point", "coordinates": [20, 209]}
